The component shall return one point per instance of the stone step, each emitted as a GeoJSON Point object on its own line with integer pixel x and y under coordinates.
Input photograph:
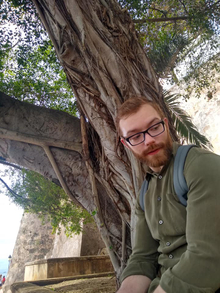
{"type": "Point", "coordinates": [38, 286]}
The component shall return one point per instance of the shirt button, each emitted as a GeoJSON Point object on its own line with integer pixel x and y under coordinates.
{"type": "Point", "coordinates": [161, 222]}
{"type": "Point", "coordinates": [159, 198]}
{"type": "Point", "coordinates": [171, 256]}
{"type": "Point", "coordinates": [168, 243]}
{"type": "Point", "coordinates": [160, 176]}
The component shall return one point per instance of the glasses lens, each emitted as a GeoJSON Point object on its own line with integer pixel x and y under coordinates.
{"type": "Point", "coordinates": [136, 139]}
{"type": "Point", "coordinates": [156, 129]}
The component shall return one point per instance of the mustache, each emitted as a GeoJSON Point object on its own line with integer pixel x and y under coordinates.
{"type": "Point", "coordinates": [152, 148]}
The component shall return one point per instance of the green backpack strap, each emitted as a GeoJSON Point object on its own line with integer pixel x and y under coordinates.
{"type": "Point", "coordinates": [179, 181]}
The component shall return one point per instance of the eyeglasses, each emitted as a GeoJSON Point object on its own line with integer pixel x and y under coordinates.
{"type": "Point", "coordinates": [153, 131]}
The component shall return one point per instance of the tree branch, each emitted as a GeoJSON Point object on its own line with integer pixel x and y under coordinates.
{"type": "Point", "coordinates": [162, 19]}
{"type": "Point", "coordinates": [184, 7]}
{"type": "Point", "coordinates": [10, 164]}
{"type": "Point", "coordinates": [59, 175]}
{"type": "Point", "coordinates": [43, 141]}
{"type": "Point", "coordinates": [12, 191]}
{"type": "Point", "coordinates": [161, 11]}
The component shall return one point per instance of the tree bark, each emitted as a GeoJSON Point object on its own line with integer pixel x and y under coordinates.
{"type": "Point", "coordinates": [99, 50]}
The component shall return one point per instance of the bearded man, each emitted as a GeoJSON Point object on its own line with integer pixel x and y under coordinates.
{"type": "Point", "coordinates": [176, 248]}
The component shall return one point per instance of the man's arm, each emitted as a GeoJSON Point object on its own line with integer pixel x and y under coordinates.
{"type": "Point", "coordinates": [135, 284]}
{"type": "Point", "coordinates": [143, 261]}
{"type": "Point", "coordinates": [199, 266]}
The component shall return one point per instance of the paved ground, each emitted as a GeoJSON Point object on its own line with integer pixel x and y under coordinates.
{"type": "Point", "coordinates": [93, 285]}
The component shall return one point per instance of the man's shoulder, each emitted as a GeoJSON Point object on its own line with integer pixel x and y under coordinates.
{"type": "Point", "coordinates": [197, 156]}
{"type": "Point", "coordinates": [198, 152]}
{"type": "Point", "coordinates": [200, 162]}
{"type": "Point", "coordinates": [193, 151]}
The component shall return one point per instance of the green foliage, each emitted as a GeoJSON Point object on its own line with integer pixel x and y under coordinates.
{"type": "Point", "coordinates": [38, 78]}
{"type": "Point", "coordinates": [185, 41]}
{"type": "Point", "coordinates": [37, 195]}
{"type": "Point", "coordinates": [29, 69]}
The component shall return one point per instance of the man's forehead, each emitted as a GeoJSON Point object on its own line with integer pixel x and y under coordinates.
{"type": "Point", "coordinates": [146, 109]}
{"type": "Point", "coordinates": [139, 121]}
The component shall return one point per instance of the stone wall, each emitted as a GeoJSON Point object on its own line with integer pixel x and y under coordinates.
{"type": "Point", "coordinates": [33, 242]}
{"type": "Point", "coordinates": [205, 113]}
{"type": "Point", "coordinates": [92, 243]}
{"type": "Point", "coordinates": [36, 242]}
{"type": "Point", "coordinates": [65, 246]}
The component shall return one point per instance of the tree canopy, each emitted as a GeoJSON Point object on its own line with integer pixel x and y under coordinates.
{"type": "Point", "coordinates": [175, 35]}
{"type": "Point", "coordinates": [178, 32]}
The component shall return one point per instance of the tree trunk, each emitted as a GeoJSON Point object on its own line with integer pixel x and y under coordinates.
{"type": "Point", "coordinates": [99, 50]}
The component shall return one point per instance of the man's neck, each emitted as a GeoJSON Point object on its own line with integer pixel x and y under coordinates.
{"type": "Point", "coordinates": [156, 169]}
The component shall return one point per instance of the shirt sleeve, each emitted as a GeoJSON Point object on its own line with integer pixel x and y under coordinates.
{"type": "Point", "coordinates": [198, 270]}
{"type": "Point", "coordinates": [144, 257]}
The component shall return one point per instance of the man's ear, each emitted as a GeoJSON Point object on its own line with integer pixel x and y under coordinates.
{"type": "Point", "coordinates": [166, 122]}
{"type": "Point", "coordinates": [124, 143]}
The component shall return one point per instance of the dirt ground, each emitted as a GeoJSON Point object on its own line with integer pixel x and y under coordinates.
{"type": "Point", "coordinates": [94, 285]}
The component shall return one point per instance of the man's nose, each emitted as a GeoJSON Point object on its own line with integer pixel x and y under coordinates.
{"type": "Point", "coordinates": [149, 139]}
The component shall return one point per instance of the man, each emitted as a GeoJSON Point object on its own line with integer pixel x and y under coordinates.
{"type": "Point", "coordinates": [176, 248]}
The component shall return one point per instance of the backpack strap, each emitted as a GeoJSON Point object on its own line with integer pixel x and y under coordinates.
{"type": "Point", "coordinates": [143, 191]}
{"type": "Point", "coordinates": [179, 180]}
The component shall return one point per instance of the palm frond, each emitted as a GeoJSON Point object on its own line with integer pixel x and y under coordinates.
{"type": "Point", "coordinates": [183, 123]}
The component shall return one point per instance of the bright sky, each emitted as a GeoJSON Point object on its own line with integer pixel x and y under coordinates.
{"type": "Point", "coordinates": [10, 217]}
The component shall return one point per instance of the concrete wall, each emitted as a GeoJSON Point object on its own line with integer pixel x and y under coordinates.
{"type": "Point", "coordinates": [65, 267]}
{"type": "Point", "coordinates": [92, 243]}
{"type": "Point", "coordinates": [64, 246]}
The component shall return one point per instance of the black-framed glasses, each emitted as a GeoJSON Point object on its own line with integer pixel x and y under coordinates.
{"type": "Point", "coordinates": [153, 131]}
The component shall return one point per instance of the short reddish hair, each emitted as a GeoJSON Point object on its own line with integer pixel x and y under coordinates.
{"type": "Point", "coordinates": [132, 105]}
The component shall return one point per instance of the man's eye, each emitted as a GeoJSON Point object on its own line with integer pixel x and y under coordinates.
{"type": "Point", "coordinates": [136, 137]}
{"type": "Point", "coordinates": [155, 127]}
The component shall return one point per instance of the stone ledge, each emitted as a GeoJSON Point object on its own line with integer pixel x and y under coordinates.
{"type": "Point", "coordinates": [22, 287]}
{"type": "Point", "coordinates": [66, 267]}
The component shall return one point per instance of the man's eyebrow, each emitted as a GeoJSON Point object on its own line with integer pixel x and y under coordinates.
{"type": "Point", "coordinates": [136, 130]}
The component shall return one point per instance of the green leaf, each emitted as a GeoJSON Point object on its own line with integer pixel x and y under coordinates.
{"type": "Point", "coordinates": [183, 124]}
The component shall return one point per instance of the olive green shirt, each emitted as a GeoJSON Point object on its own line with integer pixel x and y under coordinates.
{"type": "Point", "coordinates": [178, 247]}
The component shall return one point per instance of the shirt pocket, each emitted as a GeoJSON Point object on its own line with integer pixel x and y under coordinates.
{"type": "Point", "coordinates": [176, 214]}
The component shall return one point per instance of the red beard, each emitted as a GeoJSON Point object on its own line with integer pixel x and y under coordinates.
{"type": "Point", "coordinates": [158, 159]}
